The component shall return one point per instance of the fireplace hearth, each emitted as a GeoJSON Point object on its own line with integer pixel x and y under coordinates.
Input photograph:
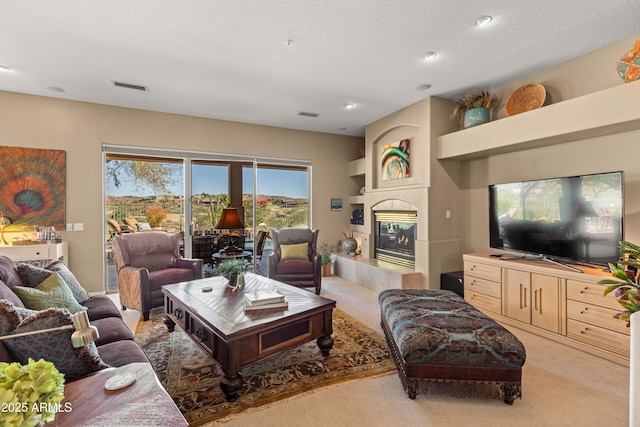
{"type": "Point", "coordinates": [395, 235]}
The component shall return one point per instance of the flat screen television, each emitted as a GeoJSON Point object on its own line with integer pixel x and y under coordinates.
{"type": "Point", "coordinates": [573, 219]}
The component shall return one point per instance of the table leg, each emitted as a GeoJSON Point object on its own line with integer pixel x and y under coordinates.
{"type": "Point", "coordinates": [325, 344]}
{"type": "Point", "coordinates": [231, 385]}
{"type": "Point", "coordinates": [170, 324]}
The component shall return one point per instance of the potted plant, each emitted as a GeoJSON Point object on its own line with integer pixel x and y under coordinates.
{"type": "Point", "coordinates": [472, 108]}
{"type": "Point", "coordinates": [31, 393]}
{"type": "Point", "coordinates": [626, 283]}
{"type": "Point", "coordinates": [325, 255]}
{"type": "Point", "coordinates": [231, 268]}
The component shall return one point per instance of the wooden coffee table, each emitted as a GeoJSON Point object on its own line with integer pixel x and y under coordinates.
{"type": "Point", "coordinates": [217, 322]}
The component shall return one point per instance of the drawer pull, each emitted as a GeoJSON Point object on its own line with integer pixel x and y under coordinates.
{"type": "Point", "coordinates": [201, 334]}
{"type": "Point", "coordinates": [178, 313]}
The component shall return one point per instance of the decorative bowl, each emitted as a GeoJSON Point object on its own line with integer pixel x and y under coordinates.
{"type": "Point", "coordinates": [526, 98]}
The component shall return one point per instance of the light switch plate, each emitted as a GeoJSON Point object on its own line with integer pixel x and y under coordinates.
{"type": "Point", "coordinates": [78, 226]}
{"type": "Point", "coordinates": [69, 227]}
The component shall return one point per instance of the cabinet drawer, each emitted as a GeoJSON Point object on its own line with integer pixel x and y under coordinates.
{"type": "Point", "coordinates": [202, 335]}
{"type": "Point", "coordinates": [483, 286]}
{"type": "Point", "coordinates": [591, 293]}
{"type": "Point", "coordinates": [598, 337]}
{"type": "Point", "coordinates": [175, 312]}
{"type": "Point", "coordinates": [28, 252]}
{"type": "Point", "coordinates": [483, 271]}
{"type": "Point", "coordinates": [483, 302]}
{"type": "Point", "coordinates": [596, 315]}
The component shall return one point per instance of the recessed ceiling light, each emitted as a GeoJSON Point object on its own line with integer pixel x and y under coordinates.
{"type": "Point", "coordinates": [423, 87]}
{"type": "Point", "coordinates": [349, 105]}
{"type": "Point", "coordinates": [429, 56]}
{"type": "Point", "coordinates": [483, 20]}
{"type": "Point", "coordinates": [289, 42]}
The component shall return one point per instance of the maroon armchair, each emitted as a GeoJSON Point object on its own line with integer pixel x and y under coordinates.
{"type": "Point", "coordinates": [294, 259]}
{"type": "Point", "coordinates": [145, 262]}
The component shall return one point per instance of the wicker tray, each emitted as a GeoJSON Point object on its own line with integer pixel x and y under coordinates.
{"type": "Point", "coordinates": [526, 98]}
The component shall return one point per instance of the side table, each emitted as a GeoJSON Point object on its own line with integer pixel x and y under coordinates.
{"type": "Point", "coordinates": [143, 403]}
{"type": "Point", "coordinates": [218, 257]}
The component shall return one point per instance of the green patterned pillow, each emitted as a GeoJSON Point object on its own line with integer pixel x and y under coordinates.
{"type": "Point", "coordinates": [78, 291]}
{"type": "Point", "coordinates": [52, 292]}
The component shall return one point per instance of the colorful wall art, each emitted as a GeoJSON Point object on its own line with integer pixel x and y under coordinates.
{"type": "Point", "coordinates": [395, 160]}
{"type": "Point", "coordinates": [32, 186]}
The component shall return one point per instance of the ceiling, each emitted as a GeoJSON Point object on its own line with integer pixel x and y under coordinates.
{"type": "Point", "coordinates": [264, 62]}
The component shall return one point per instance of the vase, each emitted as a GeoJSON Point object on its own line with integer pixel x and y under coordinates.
{"type": "Point", "coordinates": [475, 117]}
{"type": "Point", "coordinates": [349, 245]}
{"type": "Point", "coordinates": [326, 270]}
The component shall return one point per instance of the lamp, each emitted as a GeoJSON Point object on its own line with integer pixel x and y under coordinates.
{"type": "Point", "coordinates": [84, 334]}
{"type": "Point", "coordinates": [4, 221]}
{"type": "Point", "coordinates": [229, 220]}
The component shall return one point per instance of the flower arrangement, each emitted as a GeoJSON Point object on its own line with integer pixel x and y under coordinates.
{"type": "Point", "coordinates": [469, 101]}
{"type": "Point", "coordinates": [231, 268]}
{"type": "Point", "coordinates": [155, 215]}
{"type": "Point", "coordinates": [30, 394]}
{"type": "Point", "coordinates": [626, 282]}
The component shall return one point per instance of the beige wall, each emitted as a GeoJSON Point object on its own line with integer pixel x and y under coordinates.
{"type": "Point", "coordinates": [461, 186]}
{"type": "Point", "coordinates": [81, 129]}
{"type": "Point", "coordinates": [616, 152]}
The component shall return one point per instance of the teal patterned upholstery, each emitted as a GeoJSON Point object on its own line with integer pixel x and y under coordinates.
{"type": "Point", "coordinates": [437, 335]}
{"type": "Point", "coordinates": [52, 346]}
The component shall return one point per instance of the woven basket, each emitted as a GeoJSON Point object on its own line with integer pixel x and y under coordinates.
{"type": "Point", "coordinates": [526, 98]}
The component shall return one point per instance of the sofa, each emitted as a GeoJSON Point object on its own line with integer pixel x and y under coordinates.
{"type": "Point", "coordinates": [52, 294]}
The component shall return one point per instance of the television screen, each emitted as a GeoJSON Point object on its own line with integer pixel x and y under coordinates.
{"type": "Point", "coordinates": [577, 218]}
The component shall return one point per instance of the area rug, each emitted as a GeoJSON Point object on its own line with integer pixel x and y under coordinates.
{"type": "Point", "coordinates": [192, 378]}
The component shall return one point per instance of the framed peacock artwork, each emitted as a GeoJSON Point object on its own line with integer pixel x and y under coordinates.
{"type": "Point", "coordinates": [32, 186]}
{"type": "Point", "coordinates": [395, 160]}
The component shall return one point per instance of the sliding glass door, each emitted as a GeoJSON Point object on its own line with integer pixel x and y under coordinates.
{"type": "Point", "coordinates": [181, 191]}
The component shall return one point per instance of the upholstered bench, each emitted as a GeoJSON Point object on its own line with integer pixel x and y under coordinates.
{"type": "Point", "coordinates": [436, 336]}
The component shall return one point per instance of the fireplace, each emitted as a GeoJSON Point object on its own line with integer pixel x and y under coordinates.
{"type": "Point", "coordinates": [395, 236]}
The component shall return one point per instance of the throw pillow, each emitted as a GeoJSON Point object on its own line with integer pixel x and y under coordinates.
{"type": "Point", "coordinates": [9, 295]}
{"type": "Point", "coordinates": [296, 251]}
{"type": "Point", "coordinates": [78, 291]}
{"type": "Point", "coordinates": [52, 292]}
{"type": "Point", "coordinates": [8, 273]}
{"type": "Point", "coordinates": [54, 346]}
{"type": "Point", "coordinates": [31, 275]}
{"type": "Point", "coordinates": [9, 317]}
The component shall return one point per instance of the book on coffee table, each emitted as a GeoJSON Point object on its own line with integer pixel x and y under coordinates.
{"type": "Point", "coordinates": [280, 305]}
{"type": "Point", "coordinates": [263, 297]}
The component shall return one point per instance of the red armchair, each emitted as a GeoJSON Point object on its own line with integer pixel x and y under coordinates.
{"type": "Point", "coordinates": [145, 262]}
{"type": "Point", "coordinates": [294, 259]}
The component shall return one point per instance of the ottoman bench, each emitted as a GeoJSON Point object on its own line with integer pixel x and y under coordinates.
{"type": "Point", "coordinates": [436, 336]}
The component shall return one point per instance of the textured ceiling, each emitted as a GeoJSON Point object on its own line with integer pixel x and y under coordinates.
{"type": "Point", "coordinates": [231, 60]}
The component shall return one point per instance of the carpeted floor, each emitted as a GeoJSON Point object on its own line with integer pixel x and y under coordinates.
{"type": "Point", "coordinates": [192, 378]}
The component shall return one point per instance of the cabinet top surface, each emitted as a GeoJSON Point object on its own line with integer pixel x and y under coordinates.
{"type": "Point", "coordinates": [222, 308]}
{"type": "Point", "coordinates": [589, 273]}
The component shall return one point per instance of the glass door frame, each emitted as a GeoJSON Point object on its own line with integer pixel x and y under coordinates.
{"type": "Point", "coordinates": [187, 157]}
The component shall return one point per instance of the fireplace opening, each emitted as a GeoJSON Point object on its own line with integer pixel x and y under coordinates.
{"type": "Point", "coordinates": [395, 236]}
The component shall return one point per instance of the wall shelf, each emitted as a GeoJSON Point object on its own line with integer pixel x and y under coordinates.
{"type": "Point", "coordinates": [610, 111]}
